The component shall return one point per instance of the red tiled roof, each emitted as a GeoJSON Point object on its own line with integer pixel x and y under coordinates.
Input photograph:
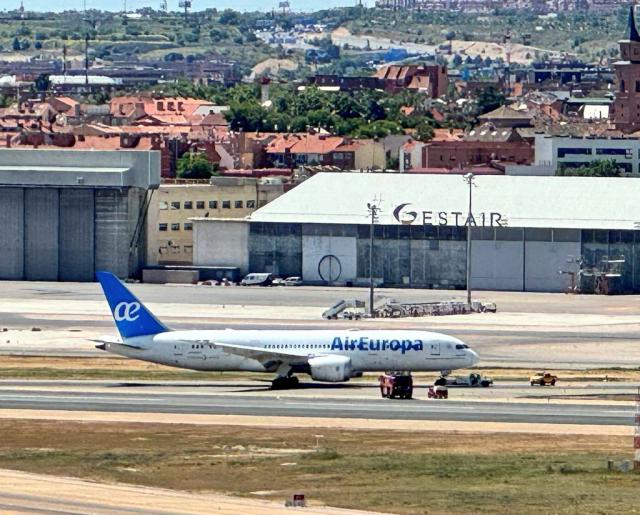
{"type": "Point", "coordinates": [281, 143]}
{"type": "Point", "coordinates": [419, 82]}
{"type": "Point", "coordinates": [352, 146]}
{"type": "Point", "coordinates": [68, 101]}
{"type": "Point", "coordinates": [437, 115]}
{"type": "Point", "coordinates": [315, 144]}
{"type": "Point", "coordinates": [126, 106]}
{"type": "Point", "coordinates": [447, 134]}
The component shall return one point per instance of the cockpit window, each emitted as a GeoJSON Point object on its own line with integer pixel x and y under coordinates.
{"type": "Point", "coordinates": [460, 346]}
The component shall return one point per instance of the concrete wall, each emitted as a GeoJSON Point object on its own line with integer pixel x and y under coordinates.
{"type": "Point", "coordinates": [317, 266]}
{"type": "Point", "coordinates": [371, 154]}
{"type": "Point", "coordinates": [220, 242]}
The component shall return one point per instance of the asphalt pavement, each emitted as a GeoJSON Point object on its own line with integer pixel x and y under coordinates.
{"type": "Point", "coordinates": [254, 400]}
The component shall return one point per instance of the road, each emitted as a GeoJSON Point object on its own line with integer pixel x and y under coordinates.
{"type": "Point", "coordinates": [342, 401]}
{"type": "Point", "coordinates": [24, 492]}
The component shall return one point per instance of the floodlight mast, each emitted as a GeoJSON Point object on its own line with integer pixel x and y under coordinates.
{"type": "Point", "coordinates": [469, 179]}
{"type": "Point", "coordinates": [374, 210]}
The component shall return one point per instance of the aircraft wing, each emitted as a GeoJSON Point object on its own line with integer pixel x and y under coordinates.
{"type": "Point", "coordinates": [259, 353]}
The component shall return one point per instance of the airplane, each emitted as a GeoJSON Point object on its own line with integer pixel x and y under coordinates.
{"type": "Point", "coordinates": [334, 355]}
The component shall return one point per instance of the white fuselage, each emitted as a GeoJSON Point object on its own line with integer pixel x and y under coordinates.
{"type": "Point", "coordinates": [376, 350]}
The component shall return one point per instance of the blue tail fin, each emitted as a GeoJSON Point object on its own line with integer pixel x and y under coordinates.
{"type": "Point", "coordinates": [131, 316]}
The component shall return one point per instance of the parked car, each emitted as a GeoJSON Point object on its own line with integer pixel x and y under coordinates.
{"type": "Point", "coordinates": [262, 279]}
{"type": "Point", "coordinates": [277, 281]}
{"type": "Point", "coordinates": [293, 281]}
{"type": "Point", "coordinates": [543, 379]}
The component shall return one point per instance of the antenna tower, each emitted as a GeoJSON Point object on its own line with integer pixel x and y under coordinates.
{"type": "Point", "coordinates": [186, 5]}
{"type": "Point", "coordinates": [163, 6]}
{"type": "Point", "coordinates": [284, 6]}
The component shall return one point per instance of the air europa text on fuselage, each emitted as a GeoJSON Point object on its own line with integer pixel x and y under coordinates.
{"type": "Point", "coordinates": [365, 343]}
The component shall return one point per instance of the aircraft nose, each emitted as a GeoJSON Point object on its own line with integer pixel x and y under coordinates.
{"type": "Point", "coordinates": [473, 357]}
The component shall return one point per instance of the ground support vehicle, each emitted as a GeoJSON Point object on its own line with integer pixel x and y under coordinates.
{"type": "Point", "coordinates": [262, 279]}
{"type": "Point", "coordinates": [438, 392]}
{"type": "Point", "coordinates": [396, 385]}
{"type": "Point", "coordinates": [348, 304]}
{"type": "Point", "coordinates": [471, 380]}
{"type": "Point", "coordinates": [543, 379]}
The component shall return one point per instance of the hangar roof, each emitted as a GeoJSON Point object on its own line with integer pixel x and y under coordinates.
{"type": "Point", "coordinates": [543, 202]}
{"type": "Point", "coordinates": [78, 168]}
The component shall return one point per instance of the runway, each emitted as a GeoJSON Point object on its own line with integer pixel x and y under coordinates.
{"type": "Point", "coordinates": [336, 402]}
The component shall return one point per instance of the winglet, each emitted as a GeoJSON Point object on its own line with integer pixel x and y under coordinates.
{"type": "Point", "coordinates": [132, 318]}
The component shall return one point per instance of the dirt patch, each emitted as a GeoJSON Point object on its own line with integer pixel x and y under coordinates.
{"type": "Point", "coordinates": [273, 66]}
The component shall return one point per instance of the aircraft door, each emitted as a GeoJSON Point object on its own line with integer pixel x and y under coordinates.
{"type": "Point", "coordinates": [178, 353]}
{"type": "Point", "coordinates": [434, 349]}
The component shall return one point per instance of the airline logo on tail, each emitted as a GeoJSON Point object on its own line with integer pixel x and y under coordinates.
{"type": "Point", "coordinates": [126, 311]}
{"type": "Point", "coordinates": [131, 316]}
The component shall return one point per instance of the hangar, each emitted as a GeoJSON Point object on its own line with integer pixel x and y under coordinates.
{"type": "Point", "coordinates": [525, 231]}
{"type": "Point", "coordinates": [65, 214]}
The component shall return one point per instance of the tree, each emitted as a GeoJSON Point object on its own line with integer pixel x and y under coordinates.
{"type": "Point", "coordinates": [16, 45]}
{"type": "Point", "coordinates": [489, 99]}
{"type": "Point", "coordinates": [229, 17]}
{"type": "Point", "coordinates": [173, 56]}
{"type": "Point", "coordinates": [42, 83]}
{"type": "Point", "coordinates": [597, 168]}
{"type": "Point", "coordinates": [194, 165]}
{"type": "Point", "coordinates": [424, 132]}
{"type": "Point", "coordinates": [457, 60]}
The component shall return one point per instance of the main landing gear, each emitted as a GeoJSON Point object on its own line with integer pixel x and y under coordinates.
{"type": "Point", "coordinates": [284, 383]}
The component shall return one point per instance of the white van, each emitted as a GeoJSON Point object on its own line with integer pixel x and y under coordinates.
{"type": "Point", "coordinates": [257, 280]}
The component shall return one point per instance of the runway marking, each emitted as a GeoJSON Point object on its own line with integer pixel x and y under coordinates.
{"type": "Point", "coordinates": [75, 398]}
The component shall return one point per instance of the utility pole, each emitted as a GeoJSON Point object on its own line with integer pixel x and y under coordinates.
{"type": "Point", "coordinates": [468, 178]}
{"type": "Point", "coordinates": [86, 59]}
{"type": "Point", "coordinates": [373, 212]}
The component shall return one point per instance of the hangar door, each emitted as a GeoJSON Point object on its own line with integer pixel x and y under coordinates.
{"type": "Point", "coordinates": [47, 234]}
{"type": "Point", "coordinates": [497, 260]}
{"type": "Point", "coordinates": [11, 233]}
{"type": "Point", "coordinates": [329, 259]}
{"type": "Point", "coordinates": [41, 207]}
{"type": "Point", "coordinates": [77, 247]}
{"type": "Point", "coordinates": [546, 254]}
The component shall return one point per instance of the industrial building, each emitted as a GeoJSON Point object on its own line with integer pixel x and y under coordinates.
{"type": "Point", "coordinates": [67, 213]}
{"type": "Point", "coordinates": [169, 230]}
{"type": "Point", "coordinates": [528, 233]}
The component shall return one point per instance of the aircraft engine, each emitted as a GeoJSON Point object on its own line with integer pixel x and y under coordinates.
{"type": "Point", "coordinates": [331, 368]}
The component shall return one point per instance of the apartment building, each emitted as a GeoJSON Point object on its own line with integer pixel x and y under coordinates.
{"type": "Point", "coordinates": [170, 232]}
{"type": "Point", "coordinates": [571, 152]}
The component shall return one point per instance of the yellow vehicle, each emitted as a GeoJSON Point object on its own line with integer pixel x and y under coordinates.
{"type": "Point", "coordinates": [543, 379]}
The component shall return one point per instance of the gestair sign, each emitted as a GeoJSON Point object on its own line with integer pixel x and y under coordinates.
{"type": "Point", "coordinates": [407, 215]}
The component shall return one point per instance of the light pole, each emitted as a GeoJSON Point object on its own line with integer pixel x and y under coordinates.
{"type": "Point", "coordinates": [468, 178]}
{"type": "Point", "coordinates": [373, 212]}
